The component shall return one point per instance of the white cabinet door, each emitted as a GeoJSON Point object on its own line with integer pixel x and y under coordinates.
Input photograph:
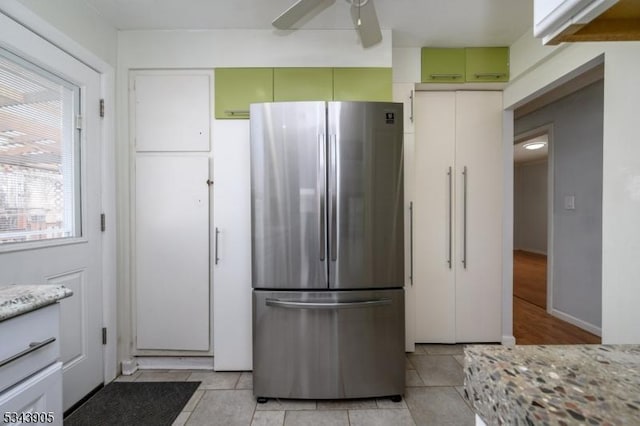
{"type": "Point", "coordinates": [405, 93]}
{"type": "Point", "coordinates": [172, 252]}
{"type": "Point", "coordinates": [232, 246]}
{"type": "Point", "coordinates": [458, 217]}
{"type": "Point", "coordinates": [478, 216]}
{"type": "Point", "coordinates": [172, 112]}
{"type": "Point", "coordinates": [433, 229]}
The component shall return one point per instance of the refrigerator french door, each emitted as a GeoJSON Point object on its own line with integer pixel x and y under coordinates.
{"type": "Point", "coordinates": [327, 249]}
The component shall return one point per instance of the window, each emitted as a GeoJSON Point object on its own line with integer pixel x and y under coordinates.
{"type": "Point", "coordinates": [39, 154]}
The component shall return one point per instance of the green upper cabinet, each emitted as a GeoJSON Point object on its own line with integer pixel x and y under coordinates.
{"type": "Point", "coordinates": [362, 84]}
{"type": "Point", "coordinates": [302, 84]}
{"type": "Point", "coordinates": [487, 64]}
{"type": "Point", "coordinates": [236, 88]}
{"type": "Point", "coordinates": [442, 65]}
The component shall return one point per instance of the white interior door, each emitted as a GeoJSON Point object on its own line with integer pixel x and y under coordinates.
{"type": "Point", "coordinates": [479, 246]}
{"type": "Point", "coordinates": [434, 267]}
{"type": "Point", "coordinates": [53, 238]}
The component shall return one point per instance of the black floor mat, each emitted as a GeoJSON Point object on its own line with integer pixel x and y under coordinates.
{"type": "Point", "coordinates": [137, 403]}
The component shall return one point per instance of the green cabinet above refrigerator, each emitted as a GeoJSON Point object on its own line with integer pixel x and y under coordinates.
{"type": "Point", "coordinates": [302, 84]}
{"type": "Point", "coordinates": [236, 88]}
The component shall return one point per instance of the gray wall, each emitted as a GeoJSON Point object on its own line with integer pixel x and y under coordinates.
{"type": "Point", "coordinates": [577, 168]}
{"type": "Point", "coordinates": [530, 206]}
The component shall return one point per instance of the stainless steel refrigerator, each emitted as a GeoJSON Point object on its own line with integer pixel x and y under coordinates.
{"type": "Point", "coordinates": [327, 250]}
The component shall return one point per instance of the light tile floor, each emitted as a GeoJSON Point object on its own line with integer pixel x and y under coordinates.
{"type": "Point", "coordinates": [434, 396]}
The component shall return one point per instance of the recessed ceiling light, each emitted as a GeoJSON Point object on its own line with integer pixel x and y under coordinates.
{"type": "Point", "coordinates": [534, 145]}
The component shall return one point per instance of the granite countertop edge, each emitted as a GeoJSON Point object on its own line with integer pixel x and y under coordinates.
{"type": "Point", "coordinates": [554, 385]}
{"type": "Point", "coordinates": [19, 299]}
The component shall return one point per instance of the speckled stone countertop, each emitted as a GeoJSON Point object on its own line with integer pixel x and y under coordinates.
{"type": "Point", "coordinates": [554, 385]}
{"type": "Point", "coordinates": [19, 299]}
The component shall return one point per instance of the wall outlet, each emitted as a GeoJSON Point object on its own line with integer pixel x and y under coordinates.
{"type": "Point", "coordinates": [569, 202]}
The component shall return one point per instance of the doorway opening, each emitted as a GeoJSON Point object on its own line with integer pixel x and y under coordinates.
{"type": "Point", "coordinates": [558, 214]}
{"type": "Point", "coordinates": [530, 157]}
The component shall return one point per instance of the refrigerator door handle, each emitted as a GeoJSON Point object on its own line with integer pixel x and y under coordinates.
{"type": "Point", "coordinates": [334, 198]}
{"type": "Point", "coordinates": [294, 304]}
{"type": "Point", "coordinates": [322, 194]}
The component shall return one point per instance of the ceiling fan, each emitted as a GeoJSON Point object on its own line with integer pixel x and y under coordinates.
{"type": "Point", "coordinates": [363, 14]}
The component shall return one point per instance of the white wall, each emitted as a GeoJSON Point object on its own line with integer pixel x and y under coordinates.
{"type": "Point", "coordinates": [530, 207]}
{"type": "Point", "coordinates": [208, 49]}
{"type": "Point", "coordinates": [79, 22]}
{"type": "Point", "coordinates": [621, 164]}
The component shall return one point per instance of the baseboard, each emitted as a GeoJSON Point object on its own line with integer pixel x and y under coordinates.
{"type": "Point", "coordinates": [174, 363]}
{"type": "Point", "coordinates": [129, 367]}
{"type": "Point", "coordinates": [508, 341]}
{"type": "Point", "coordinates": [577, 322]}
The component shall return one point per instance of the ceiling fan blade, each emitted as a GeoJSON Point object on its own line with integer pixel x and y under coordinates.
{"type": "Point", "coordinates": [368, 27]}
{"type": "Point", "coordinates": [298, 11]}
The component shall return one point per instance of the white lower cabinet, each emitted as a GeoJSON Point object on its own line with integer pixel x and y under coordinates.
{"type": "Point", "coordinates": [30, 370]}
{"type": "Point", "coordinates": [36, 400]}
{"type": "Point", "coordinates": [458, 216]}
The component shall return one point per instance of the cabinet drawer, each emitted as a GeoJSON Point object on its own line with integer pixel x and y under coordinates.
{"type": "Point", "coordinates": [311, 344]}
{"type": "Point", "coordinates": [40, 397]}
{"type": "Point", "coordinates": [30, 342]}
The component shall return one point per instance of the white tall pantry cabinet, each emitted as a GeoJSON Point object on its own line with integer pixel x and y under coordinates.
{"type": "Point", "coordinates": [458, 216]}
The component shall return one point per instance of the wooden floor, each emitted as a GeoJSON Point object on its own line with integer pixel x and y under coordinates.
{"type": "Point", "coordinates": [532, 325]}
{"type": "Point", "coordinates": [530, 277]}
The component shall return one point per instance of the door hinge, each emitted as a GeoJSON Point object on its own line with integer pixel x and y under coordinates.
{"type": "Point", "coordinates": [103, 222]}
{"type": "Point", "coordinates": [79, 122]}
{"type": "Point", "coordinates": [101, 108]}
{"type": "Point", "coordinates": [104, 335]}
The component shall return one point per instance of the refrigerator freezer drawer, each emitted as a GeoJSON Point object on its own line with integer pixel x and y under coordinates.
{"type": "Point", "coordinates": [329, 344]}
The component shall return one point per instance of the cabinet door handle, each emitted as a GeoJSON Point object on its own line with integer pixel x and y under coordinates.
{"type": "Point", "coordinates": [436, 76]}
{"type": "Point", "coordinates": [495, 75]}
{"type": "Point", "coordinates": [216, 245]}
{"type": "Point", "coordinates": [242, 112]}
{"type": "Point", "coordinates": [411, 100]}
{"type": "Point", "coordinates": [322, 194]}
{"type": "Point", "coordinates": [465, 177]}
{"type": "Point", "coordinates": [411, 243]}
{"type": "Point", "coordinates": [34, 346]}
{"type": "Point", "coordinates": [450, 214]}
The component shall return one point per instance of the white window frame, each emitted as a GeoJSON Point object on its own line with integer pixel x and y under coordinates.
{"type": "Point", "coordinates": [76, 214]}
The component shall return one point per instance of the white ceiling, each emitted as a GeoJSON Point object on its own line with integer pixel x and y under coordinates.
{"type": "Point", "coordinates": [415, 23]}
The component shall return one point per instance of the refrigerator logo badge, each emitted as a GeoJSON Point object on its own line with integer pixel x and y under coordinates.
{"type": "Point", "coordinates": [390, 117]}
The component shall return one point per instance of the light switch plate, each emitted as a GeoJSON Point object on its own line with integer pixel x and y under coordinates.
{"type": "Point", "coordinates": [569, 202]}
